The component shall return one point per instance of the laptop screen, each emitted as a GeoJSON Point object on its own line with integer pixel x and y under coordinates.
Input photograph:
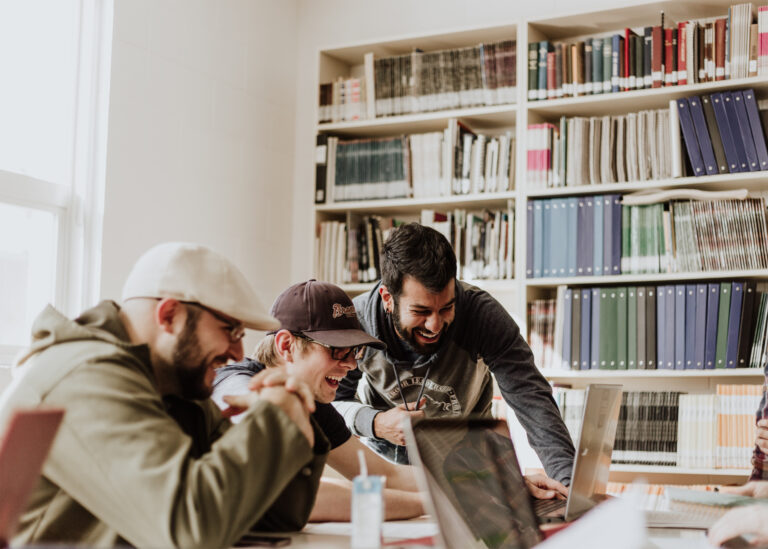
{"type": "Point", "coordinates": [471, 464]}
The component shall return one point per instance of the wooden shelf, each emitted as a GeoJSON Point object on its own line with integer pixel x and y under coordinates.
{"type": "Point", "coordinates": [478, 118]}
{"type": "Point", "coordinates": [753, 181]}
{"type": "Point", "coordinates": [641, 278]}
{"type": "Point", "coordinates": [414, 205]}
{"type": "Point", "coordinates": [630, 101]}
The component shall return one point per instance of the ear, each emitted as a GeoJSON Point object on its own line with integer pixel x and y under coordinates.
{"type": "Point", "coordinates": [166, 311]}
{"type": "Point", "coordinates": [387, 299]}
{"type": "Point", "coordinates": [283, 344]}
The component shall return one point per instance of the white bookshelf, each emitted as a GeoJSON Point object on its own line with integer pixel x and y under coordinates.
{"type": "Point", "coordinates": [517, 293]}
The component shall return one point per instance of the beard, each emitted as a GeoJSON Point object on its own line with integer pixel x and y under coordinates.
{"type": "Point", "coordinates": [408, 335]}
{"type": "Point", "coordinates": [188, 362]}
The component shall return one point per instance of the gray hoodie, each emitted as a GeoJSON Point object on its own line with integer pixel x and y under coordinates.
{"type": "Point", "coordinates": [483, 339]}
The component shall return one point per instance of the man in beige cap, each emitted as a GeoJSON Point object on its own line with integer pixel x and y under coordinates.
{"type": "Point", "coordinates": [143, 456]}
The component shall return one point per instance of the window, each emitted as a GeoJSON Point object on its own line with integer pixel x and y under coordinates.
{"type": "Point", "coordinates": [54, 62]}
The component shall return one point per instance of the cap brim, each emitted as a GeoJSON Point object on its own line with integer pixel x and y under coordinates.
{"type": "Point", "coordinates": [345, 338]}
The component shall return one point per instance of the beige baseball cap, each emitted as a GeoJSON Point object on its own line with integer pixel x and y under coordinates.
{"type": "Point", "coordinates": [192, 272]}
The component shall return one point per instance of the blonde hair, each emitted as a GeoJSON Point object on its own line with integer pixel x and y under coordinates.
{"type": "Point", "coordinates": [267, 354]}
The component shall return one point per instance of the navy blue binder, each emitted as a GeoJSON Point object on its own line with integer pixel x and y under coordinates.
{"type": "Point", "coordinates": [586, 231]}
{"type": "Point", "coordinates": [680, 300]}
{"type": "Point", "coordinates": [702, 135]}
{"type": "Point", "coordinates": [661, 327]}
{"type": "Point", "coordinates": [546, 245]}
{"type": "Point", "coordinates": [701, 326]}
{"type": "Point", "coordinates": [747, 325]}
{"type": "Point", "coordinates": [690, 326]}
{"type": "Point", "coordinates": [746, 131]}
{"type": "Point", "coordinates": [733, 123]}
{"type": "Point", "coordinates": [689, 136]}
{"type": "Point", "coordinates": [710, 348]}
{"type": "Point", "coordinates": [594, 354]}
{"type": "Point", "coordinates": [729, 145]}
{"type": "Point", "coordinates": [671, 336]}
{"type": "Point", "coordinates": [567, 312]}
{"type": "Point", "coordinates": [538, 238]}
{"type": "Point", "coordinates": [586, 325]}
{"type": "Point", "coordinates": [757, 129]}
{"type": "Point", "coordinates": [734, 318]}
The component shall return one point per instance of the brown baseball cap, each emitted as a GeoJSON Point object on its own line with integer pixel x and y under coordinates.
{"type": "Point", "coordinates": [321, 311]}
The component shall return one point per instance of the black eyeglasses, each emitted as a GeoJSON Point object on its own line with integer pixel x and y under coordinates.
{"type": "Point", "coordinates": [234, 329]}
{"type": "Point", "coordinates": [338, 353]}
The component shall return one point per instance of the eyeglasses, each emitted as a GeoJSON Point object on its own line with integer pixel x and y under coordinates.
{"type": "Point", "coordinates": [338, 353]}
{"type": "Point", "coordinates": [234, 329]}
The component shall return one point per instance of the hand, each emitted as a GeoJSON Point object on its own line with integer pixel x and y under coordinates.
{"type": "Point", "coordinates": [755, 489]}
{"type": "Point", "coordinates": [762, 435]}
{"type": "Point", "coordinates": [274, 377]}
{"type": "Point", "coordinates": [752, 520]}
{"type": "Point", "coordinates": [389, 425]}
{"type": "Point", "coordinates": [288, 402]}
{"type": "Point", "coordinates": [543, 487]}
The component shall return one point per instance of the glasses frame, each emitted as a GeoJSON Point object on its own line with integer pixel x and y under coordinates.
{"type": "Point", "coordinates": [235, 329]}
{"type": "Point", "coordinates": [337, 353]}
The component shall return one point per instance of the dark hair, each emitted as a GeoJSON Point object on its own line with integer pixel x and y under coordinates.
{"type": "Point", "coordinates": [418, 251]}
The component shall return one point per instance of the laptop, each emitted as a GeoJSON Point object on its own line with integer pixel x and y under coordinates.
{"type": "Point", "coordinates": [24, 446]}
{"type": "Point", "coordinates": [475, 489]}
{"type": "Point", "coordinates": [592, 463]}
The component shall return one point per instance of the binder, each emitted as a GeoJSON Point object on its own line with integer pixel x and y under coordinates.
{"type": "Point", "coordinates": [609, 234]}
{"type": "Point", "coordinates": [746, 131]}
{"type": "Point", "coordinates": [702, 135]}
{"type": "Point", "coordinates": [679, 292]}
{"type": "Point", "coordinates": [608, 333]}
{"type": "Point", "coordinates": [529, 240]}
{"type": "Point", "coordinates": [650, 328]}
{"type": "Point", "coordinates": [572, 235]}
{"type": "Point", "coordinates": [538, 238]}
{"type": "Point", "coordinates": [714, 134]}
{"type": "Point", "coordinates": [670, 337]}
{"type": "Point", "coordinates": [641, 327]}
{"type": "Point", "coordinates": [586, 326]}
{"type": "Point", "coordinates": [597, 235]}
{"type": "Point", "coordinates": [689, 136]}
{"type": "Point", "coordinates": [734, 318]}
{"type": "Point", "coordinates": [616, 213]}
{"type": "Point", "coordinates": [722, 324]}
{"type": "Point", "coordinates": [621, 328]}
{"type": "Point", "coordinates": [632, 328]}
{"type": "Point", "coordinates": [690, 326]}
{"type": "Point", "coordinates": [729, 145]}
{"type": "Point", "coordinates": [713, 304]}
{"type": "Point", "coordinates": [594, 353]}
{"type": "Point", "coordinates": [585, 221]}
{"type": "Point", "coordinates": [747, 324]}
{"type": "Point", "coordinates": [733, 124]}
{"type": "Point", "coordinates": [662, 319]}
{"type": "Point", "coordinates": [576, 329]}
{"type": "Point", "coordinates": [567, 312]}
{"type": "Point", "coordinates": [701, 326]}
{"type": "Point", "coordinates": [756, 128]}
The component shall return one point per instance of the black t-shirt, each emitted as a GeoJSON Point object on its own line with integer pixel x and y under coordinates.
{"type": "Point", "coordinates": [329, 420]}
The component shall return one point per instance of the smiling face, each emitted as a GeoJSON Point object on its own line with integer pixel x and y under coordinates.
{"type": "Point", "coordinates": [315, 366]}
{"type": "Point", "coordinates": [420, 316]}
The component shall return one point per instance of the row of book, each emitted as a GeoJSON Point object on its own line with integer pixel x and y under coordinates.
{"type": "Point", "coordinates": [482, 241]}
{"type": "Point", "coordinates": [451, 162]}
{"type": "Point", "coordinates": [688, 52]}
{"type": "Point", "coordinates": [421, 81]}
{"type": "Point", "coordinates": [600, 149]}
{"type": "Point", "coordinates": [600, 235]}
{"type": "Point", "coordinates": [723, 132]}
{"type": "Point", "coordinates": [674, 327]}
{"type": "Point", "coordinates": [704, 431]}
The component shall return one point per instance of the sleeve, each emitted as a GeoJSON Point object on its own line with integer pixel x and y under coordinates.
{"type": "Point", "coordinates": [759, 459]}
{"type": "Point", "coordinates": [236, 384]}
{"type": "Point", "coordinates": [135, 473]}
{"type": "Point", "coordinates": [358, 416]}
{"type": "Point", "coordinates": [499, 343]}
{"type": "Point", "coordinates": [332, 425]}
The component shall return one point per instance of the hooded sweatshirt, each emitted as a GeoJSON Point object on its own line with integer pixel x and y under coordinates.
{"type": "Point", "coordinates": [129, 467]}
{"type": "Point", "coordinates": [482, 340]}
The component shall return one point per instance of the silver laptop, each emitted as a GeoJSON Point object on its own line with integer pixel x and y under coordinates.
{"type": "Point", "coordinates": [592, 464]}
{"type": "Point", "coordinates": [475, 489]}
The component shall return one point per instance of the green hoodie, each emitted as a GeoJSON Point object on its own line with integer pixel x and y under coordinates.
{"type": "Point", "coordinates": [124, 470]}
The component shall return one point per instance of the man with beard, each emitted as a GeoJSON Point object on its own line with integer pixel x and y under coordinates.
{"type": "Point", "coordinates": [143, 456]}
{"type": "Point", "coordinates": [444, 340]}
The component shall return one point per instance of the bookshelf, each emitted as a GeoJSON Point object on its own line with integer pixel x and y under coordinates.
{"type": "Point", "coordinates": [516, 293]}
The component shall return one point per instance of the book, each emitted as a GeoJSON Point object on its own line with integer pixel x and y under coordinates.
{"type": "Point", "coordinates": [747, 323]}
{"type": "Point", "coordinates": [724, 128]}
{"type": "Point", "coordinates": [701, 326]}
{"type": "Point", "coordinates": [689, 136]}
{"type": "Point", "coordinates": [722, 324]}
{"type": "Point", "coordinates": [714, 134]}
{"type": "Point", "coordinates": [702, 135]}
{"type": "Point", "coordinates": [713, 314]}
{"type": "Point", "coordinates": [734, 319]}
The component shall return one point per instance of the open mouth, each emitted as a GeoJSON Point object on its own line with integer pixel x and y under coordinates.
{"type": "Point", "coordinates": [333, 381]}
{"type": "Point", "coordinates": [427, 337]}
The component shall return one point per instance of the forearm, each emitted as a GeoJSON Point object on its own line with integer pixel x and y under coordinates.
{"type": "Point", "coordinates": [334, 503]}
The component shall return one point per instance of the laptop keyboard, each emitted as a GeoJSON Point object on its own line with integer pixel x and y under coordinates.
{"type": "Point", "coordinates": [546, 506]}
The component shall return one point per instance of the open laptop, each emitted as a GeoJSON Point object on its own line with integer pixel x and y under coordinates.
{"type": "Point", "coordinates": [28, 437]}
{"type": "Point", "coordinates": [592, 463]}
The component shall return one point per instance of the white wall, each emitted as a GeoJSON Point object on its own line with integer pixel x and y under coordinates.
{"type": "Point", "coordinates": [201, 134]}
{"type": "Point", "coordinates": [331, 23]}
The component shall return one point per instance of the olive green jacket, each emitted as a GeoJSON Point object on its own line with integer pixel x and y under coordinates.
{"type": "Point", "coordinates": [124, 470]}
